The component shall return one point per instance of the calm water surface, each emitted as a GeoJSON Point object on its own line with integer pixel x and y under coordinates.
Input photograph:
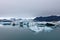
{"type": "Point", "coordinates": [21, 33]}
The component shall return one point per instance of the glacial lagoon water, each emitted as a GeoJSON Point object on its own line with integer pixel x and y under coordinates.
{"type": "Point", "coordinates": [9, 32]}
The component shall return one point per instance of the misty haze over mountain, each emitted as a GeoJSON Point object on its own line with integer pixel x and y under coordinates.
{"type": "Point", "coordinates": [29, 8]}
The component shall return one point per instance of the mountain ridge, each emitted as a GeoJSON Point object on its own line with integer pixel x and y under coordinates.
{"type": "Point", "coordinates": [48, 18]}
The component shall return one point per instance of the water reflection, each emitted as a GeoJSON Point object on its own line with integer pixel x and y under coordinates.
{"type": "Point", "coordinates": [29, 30]}
{"type": "Point", "coordinates": [39, 27]}
{"type": "Point", "coordinates": [35, 27]}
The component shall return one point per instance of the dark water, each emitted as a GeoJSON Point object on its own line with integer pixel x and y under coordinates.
{"type": "Point", "coordinates": [20, 33]}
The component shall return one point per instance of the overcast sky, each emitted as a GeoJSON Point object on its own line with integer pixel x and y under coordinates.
{"type": "Point", "coordinates": [29, 8]}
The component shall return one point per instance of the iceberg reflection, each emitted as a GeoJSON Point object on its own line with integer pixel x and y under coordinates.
{"type": "Point", "coordinates": [31, 25]}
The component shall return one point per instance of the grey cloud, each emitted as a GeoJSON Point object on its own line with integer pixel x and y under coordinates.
{"type": "Point", "coordinates": [29, 8]}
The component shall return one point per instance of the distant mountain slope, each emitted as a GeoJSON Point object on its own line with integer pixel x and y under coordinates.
{"type": "Point", "coordinates": [48, 18]}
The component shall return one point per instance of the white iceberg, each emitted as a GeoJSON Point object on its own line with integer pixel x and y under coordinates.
{"type": "Point", "coordinates": [40, 29]}
{"type": "Point", "coordinates": [47, 29]}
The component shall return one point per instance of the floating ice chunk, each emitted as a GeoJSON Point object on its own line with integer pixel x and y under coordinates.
{"type": "Point", "coordinates": [1, 25]}
{"type": "Point", "coordinates": [36, 29]}
{"type": "Point", "coordinates": [47, 29]}
{"type": "Point", "coordinates": [39, 29]}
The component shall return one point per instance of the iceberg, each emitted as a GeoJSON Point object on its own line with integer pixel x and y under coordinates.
{"type": "Point", "coordinates": [36, 29]}
{"type": "Point", "coordinates": [47, 29]}
{"type": "Point", "coordinates": [40, 29]}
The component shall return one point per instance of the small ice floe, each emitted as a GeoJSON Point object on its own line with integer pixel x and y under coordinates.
{"type": "Point", "coordinates": [36, 29]}
{"type": "Point", "coordinates": [40, 29]}
{"type": "Point", "coordinates": [1, 25]}
{"type": "Point", "coordinates": [47, 29]}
